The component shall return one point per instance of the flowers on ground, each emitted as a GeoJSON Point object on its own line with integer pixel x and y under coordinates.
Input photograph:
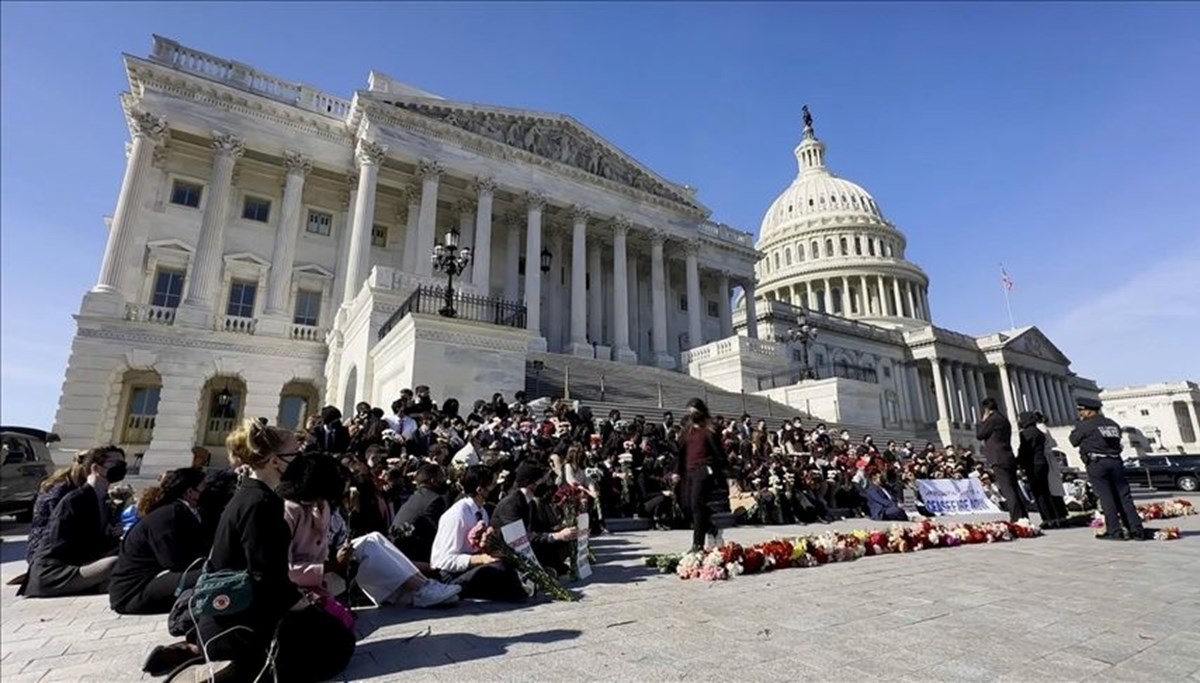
{"type": "Point", "coordinates": [1179, 507]}
{"type": "Point", "coordinates": [733, 559]}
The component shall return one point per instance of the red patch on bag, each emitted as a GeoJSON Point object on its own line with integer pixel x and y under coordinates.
{"type": "Point", "coordinates": [220, 602]}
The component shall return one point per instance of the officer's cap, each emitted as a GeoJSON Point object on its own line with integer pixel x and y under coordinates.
{"type": "Point", "coordinates": [1089, 403]}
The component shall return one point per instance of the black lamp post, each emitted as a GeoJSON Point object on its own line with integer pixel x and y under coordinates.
{"type": "Point", "coordinates": [449, 259]}
{"type": "Point", "coordinates": [803, 334]}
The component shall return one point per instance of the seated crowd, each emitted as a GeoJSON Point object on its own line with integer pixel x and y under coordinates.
{"type": "Point", "coordinates": [382, 508]}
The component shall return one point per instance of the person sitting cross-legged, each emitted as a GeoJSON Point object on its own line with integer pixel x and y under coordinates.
{"type": "Point", "coordinates": [551, 548]}
{"type": "Point", "coordinates": [881, 503]}
{"type": "Point", "coordinates": [416, 522]}
{"type": "Point", "coordinates": [481, 575]}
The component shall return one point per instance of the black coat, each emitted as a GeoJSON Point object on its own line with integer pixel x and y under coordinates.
{"type": "Point", "coordinates": [170, 538]}
{"type": "Point", "coordinates": [512, 508]}
{"type": "Point", "coordinates": [78, 534]}
{"type": "Point", "coordinates": [996, 435]}
{"type": "Point", "coordinates": [422, 510]}
{"type": "Point", "coordinates": [1031, 451]}
{"type": "Point", "coordinates": [337, 442]}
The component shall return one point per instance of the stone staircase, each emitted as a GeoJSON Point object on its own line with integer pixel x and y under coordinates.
{"type": "Point", "coordinates": [642, 390]}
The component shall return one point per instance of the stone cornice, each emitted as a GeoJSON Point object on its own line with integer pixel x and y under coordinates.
{"type": "Point", "coordinates": [209, 341]}
{"type": "Point", "coordinates": [796, 276]}
{"type": "Point", "coordinates": [792, 234]}
{"type": "Point", "coordinates": [414, 122]}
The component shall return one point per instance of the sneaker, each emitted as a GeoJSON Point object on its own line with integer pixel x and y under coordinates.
{"type": "Point", "coordinates": [436, 593]}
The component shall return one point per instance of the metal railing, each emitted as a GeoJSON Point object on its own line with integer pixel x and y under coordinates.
{"type": "Point", "coordinates": [789, 377]}
{"type": "Point", "coordinates": [483, 309]}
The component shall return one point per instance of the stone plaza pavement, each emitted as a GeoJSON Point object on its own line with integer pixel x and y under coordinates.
{"type": "Point", "coordinates": [1059, 608]}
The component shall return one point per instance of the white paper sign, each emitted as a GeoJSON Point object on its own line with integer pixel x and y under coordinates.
{"type": "Point", "coordinates": [954, 496]}
{"type": "Point", "coordinates": [581, 547]}
{"type": "Point", "coordinates": [518, 539]}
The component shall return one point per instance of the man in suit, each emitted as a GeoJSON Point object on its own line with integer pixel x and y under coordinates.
{"type": "Point", "coordinates": [551, 548]}
{"type": "Point", "coordinates": [80, 550]}
{"type": "Point", "coordinates": [415, 524]}
{"type": "Point", "coordinates": [331, 436]}
{"type": "Point", "coordinates": [880, 502]}
{"type": "Point", "coordinates": [995, 431]}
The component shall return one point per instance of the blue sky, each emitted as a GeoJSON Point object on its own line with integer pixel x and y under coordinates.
{"type": "Point", "coordinates": [1058, 138]}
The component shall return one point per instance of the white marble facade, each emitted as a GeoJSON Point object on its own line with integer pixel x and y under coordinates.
{"type": "Point", "coordinates": [255, 212]}
{"type": "Point", "coordinates": [1163, 417]}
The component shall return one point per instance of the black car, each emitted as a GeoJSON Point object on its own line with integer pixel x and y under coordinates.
{"type": "Point", "coordinates": [1165, 471]}
{"type": "Point", "coordinates": [24, 462]}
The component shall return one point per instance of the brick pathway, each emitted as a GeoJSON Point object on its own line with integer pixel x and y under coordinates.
{"type": "Point", "coordinates": [1063, 607]}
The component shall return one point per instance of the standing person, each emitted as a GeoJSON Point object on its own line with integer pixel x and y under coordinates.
{"type": "Point", "coordinates": [159, 554]}
{"type": "Point", "coordinates": [995, 431]}
{"type": "Point", "coordinates": [700, 466]}
{"type": "Point", "coordinates": [282, 627]}
{"type": "Point", "coordinates": [1031, 454]}
{"type": "Point", "coordinates": [1099, 442]}
{"type": "Point", "coordinates": [79, 550]}
{"type": "Point", "coordinates": [1057, 491]}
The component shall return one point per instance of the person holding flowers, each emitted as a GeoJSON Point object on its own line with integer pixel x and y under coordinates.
{"type": "Point", "coordinates": [551, 548]}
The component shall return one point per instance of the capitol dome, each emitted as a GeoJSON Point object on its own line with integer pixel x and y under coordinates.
{"type": "Point", "coordinates": [827, 247]}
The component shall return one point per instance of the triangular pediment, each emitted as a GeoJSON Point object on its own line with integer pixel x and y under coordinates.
{"type": "Point", "coordinates": [1032, 342]}
{"type": "Point", "coordinates": [169, 244]}
{"type": "Point", "coordinates": [313, 270]}
{"type": "Point", "coordinates": [555, 137]}
{"type": "Point", "coordinates": [247, 258]}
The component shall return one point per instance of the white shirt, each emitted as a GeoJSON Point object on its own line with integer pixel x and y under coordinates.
{"type": "Point", "coordinates": [403, 425]}
{"type": "Point", "coordinates": [451, 548]}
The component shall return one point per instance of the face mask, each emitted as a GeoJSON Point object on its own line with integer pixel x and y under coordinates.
{"type": "Point", "coordinates": [115, 473]}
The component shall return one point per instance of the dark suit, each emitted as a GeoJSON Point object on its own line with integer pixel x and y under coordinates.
{"type": "Point", "coordinates": [78, 535]}
{"type": "Point", "coordinates": [882, 506]}
{"type": "Point", "coordinates": [332, 438]}
{"type": "Point", "coordinates": [515, 507]}
{"type": "Point", "coordinates": [170, 538]}
{"type": "Point", "coordinates": [1031, 454]}
{"type": "Point", "coordinates": [422, 510]}
{"type": "Point", "coordinates": [996, 434]}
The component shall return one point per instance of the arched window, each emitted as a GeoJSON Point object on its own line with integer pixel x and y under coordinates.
{"type": "Point", "coordinates": [844, 246]}
{"type": "Point", "coordinates": [787, 256]}
{"type": "Point", "coordinates": [815, 250]}
{"type": "Point", "coordinates": [887, 249]}
{"type": "Point", "coordinates": [836, 294]}
{"type": "Point", "coordinates": [829, 247]}
{"type": "Point", "coordinates": [799, 252]}
{"type": "Point", "coordinates": [776, 260]}
{"type": "Point", "coordinates": [858, 246]}
{"type": "Point", "coordinates": [870, 246]}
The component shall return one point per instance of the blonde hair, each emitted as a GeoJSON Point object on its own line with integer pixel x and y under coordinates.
{"type": "Point", "coordinates": [253, 444]}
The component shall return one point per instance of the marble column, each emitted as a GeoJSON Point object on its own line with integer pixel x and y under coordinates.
{"type": "Point", "coordinates": [1055, 415]}
{"type": "Point", "coordinates": [1068, 400]}
{"type": "Point", "coordinates": [283, 253]}
{"type": "Point", "coordinates": [866, 309]}
{"type": "Point", "coordinates": [724, 308]}
{"type": "Point", "coordinates": [914, 376]}
{"type": "Point", "coordinates": [412, 198]}
{"type": "Point", "coordinates": [973, 397]}
{"type": "Point", "coordinates": [912, 300]}
{"type": "Point", "coordinates": [896, 296]}
{"type": "Point", "coordinates": [369, 156]}
{"type": "Point", "coordinates": [901, 375]}
{"type": "Point", "coordinates": [658, 289]}
{"type": "Point", "coordinates": [960, 388]}
{"type": "Point", "coordinates": [845, 297]}
{"type": "Point", "coordinates": [1044, 404]}
{"type": "Point", "coordinates": [595, 294]}
{"type": "Point", "coordinates": [953, 392]}
{"type": "Point", "coordinates": [197, 308]}
{"type": "Point", "coordinates": [579, 316]}
{"type": "Point", "coordinates": [695, 302]}
{"type": "Point", "coordinates": [431, 175]}
{"type": "Point", "coordinates": [635, 309]}
{"type": "Point", "coordinates": [620, 343]}
{"type": "Point", "coordinates": [554, 295]}
{"type": "Point", "coordinates": [536, 203]}
{"type": "Point", "coordinates": [512, 258]}
{"type": "Point", "coordinates": [148, 132]}
{"type": "Point", "coordinates": [925, 301]}
{"type": "Point", "coordinates": [751, 307]}
{"type": "Point", "coordinates": [828, 296]}
{"type": "Point", "coordinates": [939, 388]}
{"type": "Point", "coordinates": [349, 198]}
{"type": "Point", "coordinates": [485, 193]}
{"type": "Point", "coordinates": [809, 303]}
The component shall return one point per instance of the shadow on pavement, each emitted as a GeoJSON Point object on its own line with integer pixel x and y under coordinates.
{"type": "Point", "coordinates": [423, 650]}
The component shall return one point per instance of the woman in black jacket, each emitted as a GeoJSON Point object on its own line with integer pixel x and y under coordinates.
{"type": "Point", "coordinates": [282, 627]}
{"type": "Point", "coordinates": [1031, 456]}
{"type": "Point", "coordinates": [158, 551]}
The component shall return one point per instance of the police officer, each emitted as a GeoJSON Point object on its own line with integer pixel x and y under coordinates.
{"type": "Point", "coordinates": [1099, 442]}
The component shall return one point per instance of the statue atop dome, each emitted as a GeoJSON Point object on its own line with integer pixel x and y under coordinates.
{"type": "Point", "coordinates": [807, 117]}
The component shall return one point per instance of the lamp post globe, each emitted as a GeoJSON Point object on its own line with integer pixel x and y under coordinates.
{"type": "Point", "coordinates": [449, 259]}
{"type": "Point", "coordinates": [803, 334]}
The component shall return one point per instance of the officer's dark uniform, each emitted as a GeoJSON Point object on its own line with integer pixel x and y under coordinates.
{"type": "Point", "coordinates": [1099, 442]}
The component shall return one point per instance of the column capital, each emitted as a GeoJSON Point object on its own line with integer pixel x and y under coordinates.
{"type": "Point", "coordinates": [429, 169]}
{"type": "Point", "coordinates": [143, 124]}
{"type": "Point", "coordinates": [580, 213]}
{"type": "Point", "coordinates": [621, 226]}
{"type": "Point", "coordinates": [534, 200]}
{"type": "Point", "coordinates": [228, 144]}
{"type": "Point", "coordinates": [657, 237]}
{"type": "Point", "coordinates": [369, 153]}
{"type": "Point", "coordinates": [296, 163]}
{"type": "Point", "coordinates": [691, 248]}
{"type": "Point", "coordinates": [463, 206]}
{"type": "Point", "coordinates": [485, 184]}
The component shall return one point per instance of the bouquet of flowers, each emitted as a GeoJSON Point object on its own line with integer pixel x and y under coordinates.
{"type": "Point", "coordinates": [571, 501]}
{"type": "Point", "coordinates": [665, 564]}
{"type": "Point", "coordinates": [484, 538]}
{"type": "Point", "coordinates": [1170, 533]}
{"type": "Point", "coordinates": [1179, 507]}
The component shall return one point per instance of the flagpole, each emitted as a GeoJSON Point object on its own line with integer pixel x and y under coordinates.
{"type": "Point", "coordinates": [1006, 285]}
{"type": "Point", "coordinates": [1008, 305]}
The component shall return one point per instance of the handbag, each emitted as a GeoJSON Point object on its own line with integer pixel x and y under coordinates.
{"type": "Point", "coordinates": [220, 593]}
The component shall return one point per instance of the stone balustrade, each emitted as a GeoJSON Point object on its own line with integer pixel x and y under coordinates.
{"type": "Point", "coordinates": [308, 333]}
{"type": "Point", "coordinates": [726, 234]}
{"type": "Point", "coordinates": [237, 324]}
{"type": "Point", "coordinates": [148, 313]}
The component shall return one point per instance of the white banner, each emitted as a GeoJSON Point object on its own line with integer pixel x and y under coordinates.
{"type": "Point", "coordinates": [516, 537]}
{"type": "Point", "coordinates": [581, 547]}
{"type": "Point", "coordinates": [954, 496]}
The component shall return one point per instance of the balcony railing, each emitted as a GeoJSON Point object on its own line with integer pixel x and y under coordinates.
{"type": "Point", "coordinates": [308, 333]}
{"type": "Point", "coordinates": [237, 324]}
{"type": "Point", "coordinates": [483, 309]}
{"type": "Point", "coordinates": [147, 313]}
{"type": "Point", "coordinates": [138, 429]}
{"type": "Point", "coordinates": [787, 378]}
{"type": "Point", "coordinates": [217, 428]}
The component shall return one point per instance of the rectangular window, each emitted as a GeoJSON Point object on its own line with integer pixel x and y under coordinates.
{"type": "Point", "coordinates": [186, 193]}
{"type": "Point", "coordinates": [319, 223]}
{"type": "Point", "coordinates": [241, 299]}
{"type": "Point", "coordinates": [143, 408]}
{"type": "Point", "coordinates": [168, 288]}
{"type": "Point", "coordinates": [256, 209]}
{"type": "Point", "coordinates": [714, 310]}
{"type": "Point", "coordinates": [1145, 412]}
{"type": "Point", "coordinates": [308, 308]}
{"type": "Point", "coordinates": [887, 372]}
{"type": "Point", "coordinates": [683, 302]}
{"type": "Point", "coordinates": [293, 410]}
{"type": "Point", "coordinates": [379, 235]}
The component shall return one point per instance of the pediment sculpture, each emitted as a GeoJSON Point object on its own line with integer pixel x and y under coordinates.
{"type": "Point", "coordinates": [555, 140]}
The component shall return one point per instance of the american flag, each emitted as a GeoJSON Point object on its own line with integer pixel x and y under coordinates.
{"type": "Point", "coordinates": [1005, 280]}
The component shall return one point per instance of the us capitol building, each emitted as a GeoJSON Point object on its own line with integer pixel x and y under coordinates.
{"type": "Point", "coordinates": [270, 252]}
